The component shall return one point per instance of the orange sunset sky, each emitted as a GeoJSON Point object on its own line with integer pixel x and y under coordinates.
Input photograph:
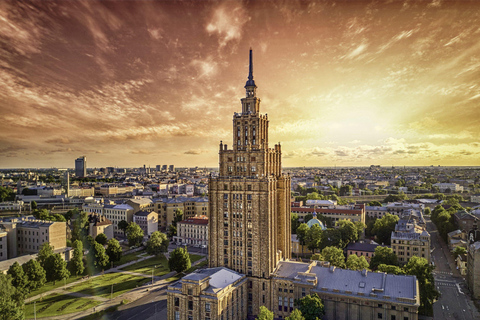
{"type": "Point", "coordinates": [346, 83]}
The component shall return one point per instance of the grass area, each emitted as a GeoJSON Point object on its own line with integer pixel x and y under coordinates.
{"type": "Point", "coordinates": [58, 304]}
{"type": "Point", "coordinates": [50, 286]}
{"type": "Point", "coordinates": [160, 263]}
{"type": "Point", "coordinates": [145, 266]}
{"type": "Point", "coordinates": [102, 285]}
{"type": "Point", "coordinates": [130, 257]}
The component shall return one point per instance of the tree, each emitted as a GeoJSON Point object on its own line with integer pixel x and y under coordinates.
{"type": "Point", "coordinates": [46, 250]}
{"type": "Point", "coordinates": [383, 255]}
{"type": "Point", "coordinates": [56, 268]}
{"type": "Point", "coordinates": [346, 190]}
{"type": "Point", "coordinates": [311, 307]}
{"type": "Point", "coordinates": [19, 279]}
{"type": "Point", "coordinates": [33, 205]}
{"type": "Point", "coordinates": [307, 217]}
{"type": "Point", "coordinates": [390, 269]}
{"type": "Point", "coordinates": [334, 256]}
{"type": "Point", "coordinates": [302, 232]}
{"type": "Point", "coordinates": [374, 203]}
{"type": "Point", "coordinates": [98, 256]}
{"type": "Point", "coordinates": [172, 231]}
{"type": "Point", "coordinates": [179, 260]}
{"type": "Point", "coordinates": [355, 262]}
{"type": "Point", "coordinates": [35, 273]}
{"type": "Point", "coordinates": [134, 234]}
{"type": "Point", "coordinates": [420, 268]}
{"type": "Point", "coordinates": [122, 225]}
{"type": "Point", "coordinates": [458, 251]}
{"type": "Point", "coordinates": [348, 231]}
{"type": "Point", "coordinates": [427, 211]}
{"type": "Point", "coordinates": [177, 217]}
{"type": "Point", "coordinates": [383, 228]}
{"type": "Point", "coordinates": [331, 238]}
{"type": "Point", "coordinates": [114, 250]}
{"type": "Point", "coordinates": [76, 264]}
{"type": "Point", "coordinates": [317, 256]}
{"type": "Point", "coordinates": [314, 237]}
{"type": "Point", "coordinates": [80, 227]}
{"type": "Point", "coordinates": [157, 243]}
{"type": "Point", "coordinates": [295, 222]}
{"type": "Point", "coordinates": [264, 314]}
{"type": "Point", "coordinates": [295, 315]}
{"type": "Point", "coordinates": [11, 303]}
{"type": "Point", "coordinates": [101, 238]}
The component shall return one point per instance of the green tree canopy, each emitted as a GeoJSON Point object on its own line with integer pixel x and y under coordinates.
{"type": "Point", "coordinates": [348, 231]}
{"type": "Point", "coordinates": [420, 268]}
{"type": "Point", "coordinates": [295, 222]}
{"type": "Point", "coordinates": [383, 228]}
{"type": "Point", "coordinates": [390, 269]}
{"type": "Point", "coordinates": [264, 314]}
{"type": "Point", "coordinates": [35, 273]}
{"type": "Point", "coordinates": [311, 307]}
{"type": "Point", "coordinates": [302, 232]}
{"type": "Point", "coordinates": [383, 255]}
{"type": "Point", "coordinates": [76, 264]}
{"type": "Point", "coordinates": [332, 238]}
{"type": "Point", "coordinates": [6, 194]}
{"type": "Point", "coordinates": [11, 303]}
{"type": "Point", "coordinates": [19, 278]}
{"type": "Point", "coordinates": [80, 227]}
{"type": "Point", "coordinates": [179, 260]}
{"type": "Point", "coordinates": [356, 263]}
{"type": "Point", "coordinates": [101, 238]}
{"type": "Point", "coordinates": [122, 225]}
{"type": "Point", "coordinates": [458, 251]}
{"type": "Point", "coordinates": [374, 203]}
{"type": "Point", "coordinates": [314, 237]}
{"type": "Point", "coordinates": [295, 315]}
{"type": "Point", "coordinates": [114, 250]}
{"type": "Point", "coordinates": [334, 256]}
{"type": "Point", "coordinates": [100, 258]}
{"type": "Point", "coordinates": [56, 268]}
{"type": "Point", "coordinates": [134, 234]}
{"type": "Point", "coordinates": [157, 243]}
{"type": "Point", "coordinates": [46, 250]}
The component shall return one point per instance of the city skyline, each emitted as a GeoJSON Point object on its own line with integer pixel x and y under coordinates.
{"type": "Point", "coordinates": [133, 83]}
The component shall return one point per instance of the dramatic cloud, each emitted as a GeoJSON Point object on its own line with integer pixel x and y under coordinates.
{"type": "Point", "coordinates": [128, 83]}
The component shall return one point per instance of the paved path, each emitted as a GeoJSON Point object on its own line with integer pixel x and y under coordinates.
{"type": "Point", "coordinates": [160, 283]}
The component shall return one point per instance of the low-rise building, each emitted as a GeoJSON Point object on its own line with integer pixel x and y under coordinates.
{"type": "Point", "coordinates": [98, 224]}
{"type": "Point", "coordinates": [461, 262]}
{"type": "Point", "coordinates": [190, 206]}
{"type": "Point", "coordinates": [473, 269]}
{"type": "Point", "coordinates": [410, 239]}
{"type": "Point", "coordinates": [335, 213]}
{"type": "Point", "coordinates": [361, 248]}
{"type": "Point", "coordinates": [192, 231]}
{"type": "Point", "coordinates": [3, 245]}
{"type": "Point", "coordinates": [213, 293]}
{"type": "Point", "coordinates": [117, 213]}
{"type": "Point", "coordinates": [147, 220]}
{"type": "Point", "coordinates": [465, 220]}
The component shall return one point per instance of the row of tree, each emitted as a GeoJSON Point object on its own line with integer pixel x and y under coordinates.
{"type": "Point", "coordinates": [317, 239]}
{"type": "Point", "coordinates": [309, 307]}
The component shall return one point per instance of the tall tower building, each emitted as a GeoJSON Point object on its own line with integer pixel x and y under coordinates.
{"type": "Point", "coordinates": [81, 167]}
{"type": "Point", "coordinates": [249, 202]}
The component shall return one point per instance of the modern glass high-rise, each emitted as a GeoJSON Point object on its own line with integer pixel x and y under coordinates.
{"type": "Point", "coordinates": [81, 167]}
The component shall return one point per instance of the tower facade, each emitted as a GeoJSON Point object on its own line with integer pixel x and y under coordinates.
{"type": "Point", "coordinates": [81, 167]}
{"type": "Point", "coordinates": [249, 202]}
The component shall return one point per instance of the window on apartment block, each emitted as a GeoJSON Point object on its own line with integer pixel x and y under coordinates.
{"type": "Point", "coordinates": [280, 302]}
{"type": "Point", "coordinates": [380, 316]}
{"type": "Point", "coordinates": [207, 307]}
{"type": "Point", "coordinates": [177, 315]}
{"type": "Point", "coordinates": [177, 302]}
{"type": "Point", "coordinates": [190, 305]}
{"type": "Point", "coordinates": [393, 317]}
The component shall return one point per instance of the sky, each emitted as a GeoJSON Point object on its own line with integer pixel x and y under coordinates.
{"type": "Point", "coordinates": [345, 83]}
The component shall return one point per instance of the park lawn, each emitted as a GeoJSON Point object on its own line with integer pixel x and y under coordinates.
{"type": "Point", "coordinates": [50, 286]}
{"type": "Point", "coordinates": [58, 304]}
{"type": "Point", "coordinates": [145, 266]}
{"type": "Point", "coordinates": [102, 285]}
{"type": "Point", "coordinates": [130, 257]}
{"type": "Point", "coordinates": [160, 263]}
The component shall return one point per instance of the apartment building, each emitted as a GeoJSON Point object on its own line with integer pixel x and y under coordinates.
{"type": "Point", "coordinates": [147, 220]}
{"type": "Point", "coordinates": [3, 245]}
{"type": "Point", "coordinates": [350, 212]}
{"type": "Point", "coordinates": [410, 239]}
{"type": "Point", "coordinates": [191, 207]}
{"type": "Point", "coordinates": [192, 231]}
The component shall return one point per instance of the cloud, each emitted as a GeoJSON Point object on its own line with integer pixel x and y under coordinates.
{"type": "Point", "coordinates": [195, 151]}
{"type": "Point", "coordinates": [141, 151]}
{"type": "Point", "coordinates": [227, 22]}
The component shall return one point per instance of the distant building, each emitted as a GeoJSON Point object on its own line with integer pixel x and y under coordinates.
{"type": "Point", "coordinates": [81, 167]}
{"type": "Point", "coordinates": [465, 220]}
{"type": "Point", "coordinates": [99, 224]}
{"type": "Point", "coordinates": [475, 198]}
{"type": "Point", "coordinates": [409, 239]}
{"type": "Point", "coordinates": [335, 213]}
{"type": "Point", "coordinates": [473, 269]}
{"type": "Point", "coordinates": [141, 204]}
{"type": "Point", "coordinates": [3, 245]}
{"type": "Point", "coordinates": [448, 187]}
{"type": "Point", "coordinates": [171, 168]}
{"type": "Point", "coordinates": [192, 231]}
{"type": "Point", "coordinates": [365, 249]}
{"type": "Point", "coordinates": [147, 220]}
{"type": "Point", "coordinates": [191, 207]}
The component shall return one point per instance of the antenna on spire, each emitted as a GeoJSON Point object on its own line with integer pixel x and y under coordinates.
{"type": "Point", "coordinates": [250, 81]}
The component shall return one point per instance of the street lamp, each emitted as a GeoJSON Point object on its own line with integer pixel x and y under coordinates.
{"type": "Point", "coordinates": [152, 273]}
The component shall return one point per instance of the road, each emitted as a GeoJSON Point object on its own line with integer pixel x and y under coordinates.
{"type": "Point", "coordinates": [454, 302]}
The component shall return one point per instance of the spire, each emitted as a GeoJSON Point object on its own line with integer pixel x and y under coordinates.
{"type": "Point", "coordinates": [250, 82]}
